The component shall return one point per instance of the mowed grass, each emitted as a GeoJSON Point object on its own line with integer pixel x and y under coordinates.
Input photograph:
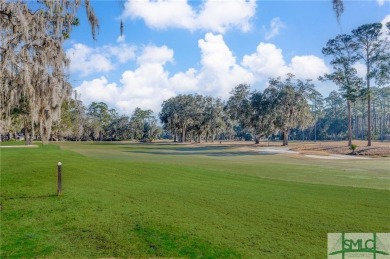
{"type": "Point", "coordinates": [165, 200]}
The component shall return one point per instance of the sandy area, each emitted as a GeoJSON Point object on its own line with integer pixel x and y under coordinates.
{"type": "Point", "coordinates": [377, 149]}
{"type": "Point", "coordinates": [277, 150]}
{"type": "Point", "coordinates": [284, 150]}
{"type": "Point", "coordinates": [330, 157]}
{"type": "Point", "coordinates": [312, 149]}
{"type": "Point", "coordinates": [19, 146]}
{"type": "Point", "coordinates": [326, 150]}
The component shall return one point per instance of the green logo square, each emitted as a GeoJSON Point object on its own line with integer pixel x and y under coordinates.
{"type": "Point", "coordinates": [359, 245]}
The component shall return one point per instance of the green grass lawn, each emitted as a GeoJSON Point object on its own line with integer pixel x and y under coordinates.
{"type": "Point", "coordinates": [165, 200]}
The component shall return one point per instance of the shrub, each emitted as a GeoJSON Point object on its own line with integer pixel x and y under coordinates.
{"type": "Point", "coordinates": [353, 148]}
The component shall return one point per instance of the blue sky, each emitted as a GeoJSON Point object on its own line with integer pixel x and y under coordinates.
{"type": "Point", "coordinates": [206, 47]}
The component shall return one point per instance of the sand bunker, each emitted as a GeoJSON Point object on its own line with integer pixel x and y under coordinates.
{"type": "Point", "coordinates": [277, 151]}
{"type": "Point", "coordinates": [274, 151]}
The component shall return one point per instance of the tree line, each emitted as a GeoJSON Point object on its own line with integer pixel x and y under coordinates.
{"type": "Point", "coordinates": [289, 109]}
{"type": "Point", "coordinates": [98, 122]}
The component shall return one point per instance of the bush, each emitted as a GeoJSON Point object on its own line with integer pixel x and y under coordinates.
{"type": "Point", "coordinates": [353, 148]}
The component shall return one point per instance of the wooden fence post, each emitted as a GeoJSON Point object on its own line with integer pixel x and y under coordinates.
{"type": "Point", "coordinates": [59, 182]}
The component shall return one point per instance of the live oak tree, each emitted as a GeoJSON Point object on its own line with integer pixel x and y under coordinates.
{"type": "Point", "coordinates": [186, 120]}
{"type": "Point", "coordinates": [239, 106]}
{"type": "Point", "coordinates": [32, 59]}
{"type": "Point", "coordinates": [200, 107]}
{"type": "Point", "coordinates": [280, 107]}
{"type": "Point", "coordinates": [215, 118]}
{"type": "Point", "coordinates": [143, 125]}
{"type": "Point", "coordinates": [290, 108]}
{"type": "Point", "coordinates": [20, 117]}
{"type": "Point", "coordinates": [64, 126]}
{"type": "Point", "coordinates": [99, 119]}
{"type": "Point", "coordinates": [183, 114]}
{"type": "Point", "coordinates": [317, 105]}
{"type": "Point", "coordinates": [195, 116]}
{"type": "Point", "coordinates": [263, 107]}
{"type": "Point", "coordinates": [170, 118]}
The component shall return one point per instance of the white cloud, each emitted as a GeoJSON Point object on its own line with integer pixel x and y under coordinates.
{"type": "Point", "coordinates": [185, 82]}
{"type": "Point", "coordinates": [161, 14]}
{"type": "Point", "coordinates": [122, 52]}
{"type": "Point", "coordinates": [275, 26]}
{"type": "Point", "coordinates": [153, 54]}
{"type": "Point", "coordinates": [148, 85]}
{"type": "Point", "coordinates": [306, 67]}
{"type": "Point", "coordinates": [97, 90]}
{"type": "Point", "coordinates": [216, 16]}
{"type": "Point", "coordinates": [381, 2]}
{"type": "Point", "coordinates": [360, 69]}
{"type": "Point", "coordinates": [121, 38]}
{"type": "Point", "coordinates": [385, 31]}
{"type": "Point", "coordinates": [220, 72]}
{"type": "Point", "coordinates": [268, 61]}
{"type": "Point", "coordinates": [145, 87]}
{"type": "Point", "coordinates": [88, 60]}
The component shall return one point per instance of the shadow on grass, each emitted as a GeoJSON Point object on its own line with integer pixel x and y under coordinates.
{"type": "Point", "coordinates": [30, 197]}
{"type": "Point", "coordinates": [178, 148]}
{"type": "Point", "coordinates": [190, 153]}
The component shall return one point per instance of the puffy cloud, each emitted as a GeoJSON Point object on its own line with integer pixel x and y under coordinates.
{"type": "Point", "coordinates": [122, 52]}
{"type": "Point", "coordinates": [97, 90]}
{"type": "Point", "coordinates": [87, 60]}
{"type": "Point", "coordinates": [381, 2]}
{"type": "Point", "coordinates": [161, 14]}
{"type": "Point", "coordinates": [268, 61]}
{"type": "Point", "coordinates": [185, 82]}
{"type": "Point", "coordinates": [215, 16]}
{"type": "Point", "coordinates": [98, 60]}
{"type": "Point", "coordinates": [153, 54]}
{"type": "Point", "coordinates": [218, 16]}
{"type": "Point", "coordinates": [275, 26]}
{"type": "Point", "coordinates": [306, 67]}
{"type": "Point", "coordinates": [148, 85]}
{"type": "Point", "coordinates": [145, 87]}
{"type": "Point", "coordinates": [220, 72]}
